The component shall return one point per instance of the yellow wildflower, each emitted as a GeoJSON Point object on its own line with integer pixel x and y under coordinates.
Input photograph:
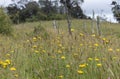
{"type": "Point", "coordinates": [93, 35]}
{"type": "Point", "coordinates": [1, 62]}
{"type": "Point", "coordinates": [99, 65]}
{"type": "Point", "coordinates": [72, 30]}
{"type": "Point", "coordinates": [34, 39]}
{"type": "Point", "coordinates": [60, 45]}
{"type": "Point", "coordinates": [43, 51]}
{"type": "Point", "coordinates": [28, 41]}
{"type": "Point", "coordinates": [81, 44]}
{"type": "Point", "coordinates": [96, 45]}
{"type": "Point", "coordinates": [96, 59]}
{"type": "Point", "coordinates": [75, 54]}
{"type": "Point", "coordinates": [59, 51]}
{"type": "Point", "coordinates": [63, 48]}
{"type": "Point", "coordinates": [35, 46]}
{"type": "Point", "coordinates": [110, 49]}
{"type": "Point", "coordinates": [106, 41]}
{"type": "Point", "coordinates": [12, 51]}
{"type": "Point", "coordinates": [117, 50]}
{"type": "Point", "coordinates": [62, 57]}
{"type": "Point", "coordinates": [4, 64]}
{"type": "Point", "coordinates": [36, 51]}
{"type": "Point", "coordinates": [16, 75]}
{"type": "Point", "coordinates": [80, 72]}
{"type": "Point", "coordinates": [7, 61]}
{"type": "Point", "coordinates": [68, 66]}
{"type": "Point", "coordinates": [61, 76]}
{"type": "Point", "coordinates": [103, 39]}
{"type": "Point", "coordinates": [8, 55]}
{"type": "Point", "coordinates": [13, 69]}
{"type": "Point", "coordinates": [81, 34]}
{"type": "Point", "coordinates": [82, 65]}
{"type": "Point", "coordinates": [39, 38]}
{"type": "Point", "coordinates": [90, 59]}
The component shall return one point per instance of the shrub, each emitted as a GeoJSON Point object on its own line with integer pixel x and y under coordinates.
{"type": "Point", "coordinates": [57, 17]}
{"type": "Point", "coordinates": [32, 19]}
{"type": "Point", "coordinates": [5, 23]}
{"type": "Point", "coordinates": [41, 16]}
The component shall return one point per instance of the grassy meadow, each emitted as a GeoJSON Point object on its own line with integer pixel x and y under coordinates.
{"type": "Point", "coordinates": [48, 53]}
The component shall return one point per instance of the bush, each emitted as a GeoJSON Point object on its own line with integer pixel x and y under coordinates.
{"type": "Point", "coordinates": [38, 17]}
{"type": "Point", "coordinates": [41, 16]}
{"type": "Point", "coordinates": [57, 17]}
{"type": "Point", "coordinates": [32, 19]}
{"type": "Point", "coordinates": [5, 23]}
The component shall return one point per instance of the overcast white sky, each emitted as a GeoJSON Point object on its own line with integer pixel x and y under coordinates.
{"type": "Point", "coordinates": [99, 6]}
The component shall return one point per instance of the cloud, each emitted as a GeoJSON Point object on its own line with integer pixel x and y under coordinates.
{"type": "Point", "coordinates": [5, 2]}
{"type": "Point", "coordinates": [97, 6]}
{"type": "Point", "coordinates": [100, 7]}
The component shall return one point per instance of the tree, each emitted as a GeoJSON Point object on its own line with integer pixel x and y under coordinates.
{"type": "Point", "coordinates": [21, 11]}
{"type": "Point", "coordinates": [31, 9]}
{"type": "Point", "coordinates": [47, 6]}
{"type": "Point", "coordinates": [72, 8]}
{"type": "Point", "coordinates": [116, 10]}
{"type": "Point", "coordinates": [77, 12]}
{"type": "Point", "coordinates": [13, 12]}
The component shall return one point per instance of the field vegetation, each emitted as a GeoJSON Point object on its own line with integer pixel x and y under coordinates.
{"type": "Point", "coordinates": [38, 51]}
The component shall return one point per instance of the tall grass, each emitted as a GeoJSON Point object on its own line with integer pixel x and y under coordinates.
{"type": "Point", "coordinates": [82, 56]}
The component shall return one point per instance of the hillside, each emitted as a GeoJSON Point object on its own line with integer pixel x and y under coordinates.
{"type": "Point", "coordinates": [39, 51]}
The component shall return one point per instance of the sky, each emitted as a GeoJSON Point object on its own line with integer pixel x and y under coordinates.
{"type": "Point", "coordinates": [100, 7]}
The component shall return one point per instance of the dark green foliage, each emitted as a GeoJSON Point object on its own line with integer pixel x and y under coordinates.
{"type": "Point", "coordinates": [74, 8]}
{"type": "Point", "coordinates": [5, 23]}
{"type": "Point", "coordinates": [23, 13]}
{"type": "Point", "coordinates": [77, 12]}
{"type": "Point", "coordinates": [33, 12]}
{"type": "Point", "coordinates": [116, 10]}
{"type": "Point", "coordinates": [41, 16]}
{"type": "Point", "coordinates": [43, 10]}
{"type": "Point", "coordinates": [57, 17]}
{"type": "Point", "coordinates": [13, 12]}
{"type": "Point", "coordinates": [48, 8]}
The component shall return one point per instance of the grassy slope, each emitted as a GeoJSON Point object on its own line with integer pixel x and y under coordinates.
{"type": "Point", "coordinates": [85, 55]}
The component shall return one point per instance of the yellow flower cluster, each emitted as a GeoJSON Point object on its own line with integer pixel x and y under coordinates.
{"type": "Point", "coordinates": [80, 72]}
{"type": "Point", "coordinates": [67, 66]}
{"type": "Point", "coordinates": [72, 30]}
{"type": "Point", "coordinates": [99, 64]}
{"type": "Point", "coordinates": [82, 65]}
{"type": "Point", "coordinates": [81, 34]}
{"type": "Point", "coordinates": [13, 69]}
{"type": "Point", "coordinates": [5, 63]}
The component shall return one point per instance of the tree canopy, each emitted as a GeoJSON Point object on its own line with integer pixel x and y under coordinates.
{"type": "Point", "coordinates": [27, 10]}
{"type": "Point", "coordinates": [116, 10]}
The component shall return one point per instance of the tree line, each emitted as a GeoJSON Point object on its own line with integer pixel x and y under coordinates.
{"type": "Point", "coordinates": [27, 10]}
